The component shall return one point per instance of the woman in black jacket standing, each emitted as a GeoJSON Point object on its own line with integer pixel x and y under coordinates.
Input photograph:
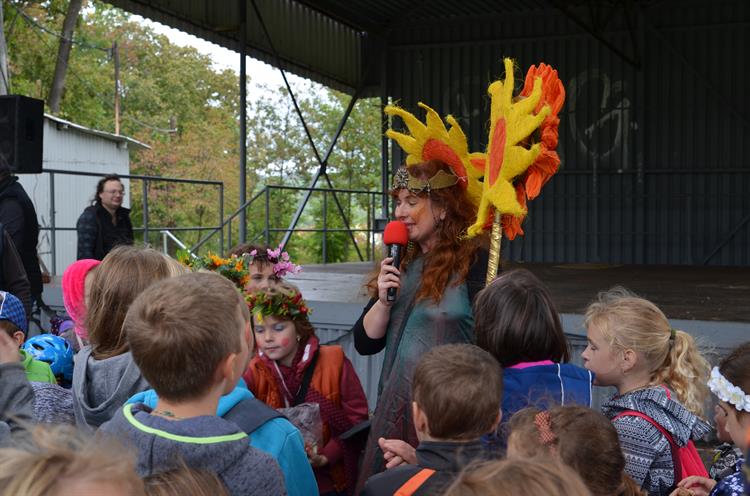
{"type": "Point", "coordinates": [106, 223]}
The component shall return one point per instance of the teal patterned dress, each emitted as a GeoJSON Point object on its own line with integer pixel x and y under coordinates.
{"type": "Point", "coordinates": [413, 329]}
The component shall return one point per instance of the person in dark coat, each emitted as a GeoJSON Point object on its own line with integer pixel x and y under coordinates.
{"type": "Point", "coordinates": [106, 223]}
{"type": "Point", "coordinates": [18, 217]}
{"type": "Point", "coordinates": [12, 274]}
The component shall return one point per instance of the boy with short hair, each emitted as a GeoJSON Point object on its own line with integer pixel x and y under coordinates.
{"type": "Point", "coordinates": [268, 431]}
{"type": "Point", "coordinates": [189, 336]}
{"type": "Point", "coordinates": [456, 392]}
{"type": "Point", "coordinates": [13, 322]}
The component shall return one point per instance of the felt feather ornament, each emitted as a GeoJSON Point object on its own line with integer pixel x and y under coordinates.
{"type": "Point", "coordinates": [517, 164]}
{"type": "Point", "coordinates": [511, 123]}
{"type": "Point", "coordinates": [547, 162]}
{"type": "Point", "coordinates": [431, 140]}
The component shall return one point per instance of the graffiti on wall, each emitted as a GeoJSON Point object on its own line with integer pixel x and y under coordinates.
{"type": "Point", "coordinates": [600, 117]}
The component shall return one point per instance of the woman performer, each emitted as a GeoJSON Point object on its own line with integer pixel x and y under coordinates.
{"type": "Point", "coordinates": [436, 283]}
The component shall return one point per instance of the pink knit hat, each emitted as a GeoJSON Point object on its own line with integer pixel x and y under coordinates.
{"type": "Point", "coordinates": [73, 282]}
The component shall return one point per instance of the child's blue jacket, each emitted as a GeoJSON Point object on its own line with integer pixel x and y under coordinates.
{"type": "Point", "coordinates": [544, 386]}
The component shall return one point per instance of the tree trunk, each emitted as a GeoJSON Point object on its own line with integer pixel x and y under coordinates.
{"type": "Point", "coordinates": [4, 76]}
{"type": "Point", "coordinates": [63, 53]}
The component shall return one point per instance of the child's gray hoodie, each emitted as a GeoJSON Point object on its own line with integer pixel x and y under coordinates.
{"type": "Point", "coordinates": [206, 442]}
{"type": "Point", "coordinates": [101, 387]}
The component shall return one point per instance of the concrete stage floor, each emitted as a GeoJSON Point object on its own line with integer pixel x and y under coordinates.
{"type": "Point", "coordinates": [682, 292]}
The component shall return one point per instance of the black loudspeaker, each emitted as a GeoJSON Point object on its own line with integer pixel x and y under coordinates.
{"type": "Point", "coordinates": [21, 133]}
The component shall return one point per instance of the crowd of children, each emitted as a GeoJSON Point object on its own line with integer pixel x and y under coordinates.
{"type": "Point", "coordinates": [195, 382]}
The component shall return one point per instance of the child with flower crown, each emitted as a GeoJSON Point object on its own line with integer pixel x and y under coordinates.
{"type": "Point", "coordinates": [266, 267]}
{"type": "Point", "coordinates": [660, 376]}
{"type": "Point", "coordinates": [292, 367]}
{"type": "Point", "coordinates": [730, 383]}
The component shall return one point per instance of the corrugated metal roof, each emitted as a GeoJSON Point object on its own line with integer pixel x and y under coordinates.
{"type": "Point", "coordinates": [324, 40]}
{"type": "Point", "coordinates": [62, 123]}
{"type": "Point", "coordinates": [308, 42]}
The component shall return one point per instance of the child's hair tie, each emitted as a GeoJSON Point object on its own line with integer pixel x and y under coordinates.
{"type": "Point", "coordinates": [672, 336]}
{"type": "Point", "coordinates": [543, 424]}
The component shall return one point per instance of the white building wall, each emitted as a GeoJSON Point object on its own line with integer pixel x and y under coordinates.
{"type": "Point", "coordinates": [68, 148]}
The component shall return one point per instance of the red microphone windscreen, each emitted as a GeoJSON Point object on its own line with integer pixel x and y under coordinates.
{"type": "Point", "coordinates": [396, 233]}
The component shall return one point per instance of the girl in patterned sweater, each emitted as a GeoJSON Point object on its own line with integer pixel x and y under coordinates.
{"type": "Point", "coordinates": [730, 382]}
{"type": "Point", "coordinates": [660, 378]}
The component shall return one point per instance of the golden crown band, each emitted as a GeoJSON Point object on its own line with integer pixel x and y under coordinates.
{"type": "Point", "coordinates": [441, 179]}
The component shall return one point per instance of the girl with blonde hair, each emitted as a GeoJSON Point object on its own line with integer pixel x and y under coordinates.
{"type": "Point", "coordinates": [660, 376]}
{"type": "Point", "coordinates": [59, 461]}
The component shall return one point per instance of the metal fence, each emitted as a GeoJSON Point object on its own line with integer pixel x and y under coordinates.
{"type": "Point", "coordinates": [268, 231]}
{"type": "Point", "coordinates": [146, 229]}
{"type": "Point", "coordinates": [219, 236]}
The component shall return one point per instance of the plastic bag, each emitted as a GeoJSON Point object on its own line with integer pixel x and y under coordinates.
{"type": "Point", "coordinates": [306, 417]}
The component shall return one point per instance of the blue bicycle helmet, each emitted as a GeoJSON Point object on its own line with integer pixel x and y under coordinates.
{"type": "Point", "coordinates": [54, 350]}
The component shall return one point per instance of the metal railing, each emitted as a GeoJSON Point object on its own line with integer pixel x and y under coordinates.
{"type": "Point", "coordinates": [166, 235]}
{"type": "Point", "coordinates": [372, 203]}
{"type": "Point", "coordinates": [146, 228]}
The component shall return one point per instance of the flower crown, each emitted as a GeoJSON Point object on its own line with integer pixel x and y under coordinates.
{"type": "Point", "coordinates": [726, 391]}
{"type": "Point", "coordinates": [287, 305]}
{"type": "Point", "coordinates": [232, 268]}
{"type": "Point", "coordinates": [278, 259]}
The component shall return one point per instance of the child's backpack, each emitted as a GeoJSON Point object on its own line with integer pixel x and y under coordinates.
{"type": "Point", "coordinates": [251, 413]}
{"type": "Point", "coordinates": [685, 459]}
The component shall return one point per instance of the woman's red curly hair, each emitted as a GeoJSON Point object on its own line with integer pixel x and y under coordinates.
{"type": "Point", "coordinates": [449, 259]}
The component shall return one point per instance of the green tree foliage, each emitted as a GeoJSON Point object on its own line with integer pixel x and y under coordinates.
{"type": "Point", "coordinates": [164, 85]}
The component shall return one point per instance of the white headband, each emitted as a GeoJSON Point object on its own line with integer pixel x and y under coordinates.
{"type": "Point", "coordinates": [726, 391]}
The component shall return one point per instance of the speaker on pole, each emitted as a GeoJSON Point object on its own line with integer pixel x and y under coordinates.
{"type": "Point", "coordinates": [21, 133]}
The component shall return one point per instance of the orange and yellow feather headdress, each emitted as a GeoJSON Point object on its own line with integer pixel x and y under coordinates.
{"type": "Point", "coordinates": [518, 161]}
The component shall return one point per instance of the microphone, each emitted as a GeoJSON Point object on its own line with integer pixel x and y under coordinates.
{"type": "Point", "coordinates": [395, 237]}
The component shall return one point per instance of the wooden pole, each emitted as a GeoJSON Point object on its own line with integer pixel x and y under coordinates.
{"type": "Point", "coordinates": [116, 58]}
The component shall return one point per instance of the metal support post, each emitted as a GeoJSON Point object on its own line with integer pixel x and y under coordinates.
{"type": "Point", "coordinates": [221, 219]}
{"type": "Point", "coordinates": [325, 227]}
{"type": "Point", "coordinates": [267, 230]}
{"type": "Point", "coordinates": [52, 223]}
{"type": "Point", "coordinates": [144, 200]}
{"type": "Point", "coordinates": [385, 170]}
{"type": "Point", "coordinates": [242, 6]}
